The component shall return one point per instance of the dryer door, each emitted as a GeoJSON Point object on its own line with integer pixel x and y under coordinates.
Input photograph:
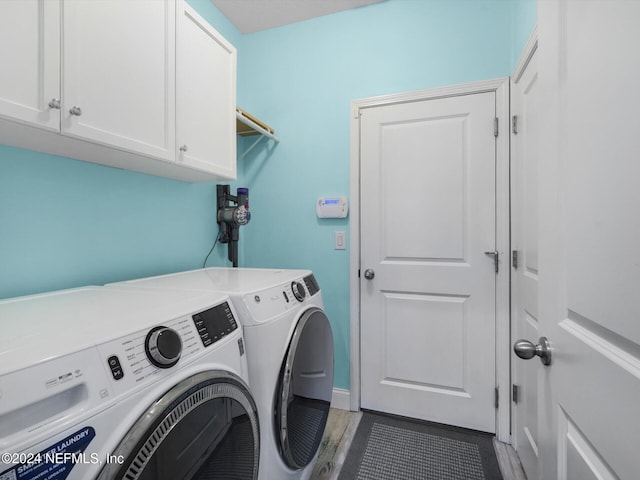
{"type": "Point", "coordinates": [304, 391]}
{"type": "Point", "coordinates": [206, 427]}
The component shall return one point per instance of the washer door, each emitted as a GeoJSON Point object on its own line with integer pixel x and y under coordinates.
{"type": "Point", "coordinates": [304, 391]}
{"type": "Point", "coordinates": [206, 427]}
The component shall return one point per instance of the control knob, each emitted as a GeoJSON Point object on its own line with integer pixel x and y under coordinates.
{"type": "Point", "coordinates": [298, 291]}
{"type": "Point", "coordinates": [163, 347]}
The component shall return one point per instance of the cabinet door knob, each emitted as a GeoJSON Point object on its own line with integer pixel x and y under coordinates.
{"type": "Point", "coordinates": [77, 111]}
{"type": "Point", "coordinates": [184, 148]}
{"type": "Point", "coordinates": [54, 103]}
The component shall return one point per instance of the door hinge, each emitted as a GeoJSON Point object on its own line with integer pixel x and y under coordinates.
{"type": "Point", "coordinates": [514, 259]}
{"type": "Point", "coordinates": [497, 397]}
{"type": "Point", "coordinates": [356, 113]}
{"type": "Point", "coordinates": [514, 124]}
{"type": "Point", "coordinates": [495, 126]}
{"type": "Point", "coordinates": [515, 393]}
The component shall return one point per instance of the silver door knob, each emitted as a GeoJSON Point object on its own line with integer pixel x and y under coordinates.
{"type": "Point", "coordinates": [77, 111]}
{"type": "Point", "coordinates": [369, 274]}
{"type": "Point", "coordinates": [54, 103]}
{"type": "Point", "coordinates": [184, 148]}
{"type": "Point", "coordinates": [526, 350]}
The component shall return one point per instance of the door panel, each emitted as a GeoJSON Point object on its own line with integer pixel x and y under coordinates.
{"type": "Point", "coordinates": [30, 59]}
{"type": "Point", "coordinates": [431, 163]}
{"type": "Point", "coordinates": [124, 84]}
{"type": "Point", "coordinates": [206, 103]}
{"type": "Point", "coordinates": [428, 217]}
{"type": "Point", "coordinates": [440, 322]}
{"type": "Point", "coordinates": [524, 276]}
{"type": "Point", "coordinates": [589, 233]}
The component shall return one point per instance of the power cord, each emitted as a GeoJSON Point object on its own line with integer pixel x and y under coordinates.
{"type": "Point", "coordinates": [214, 246]}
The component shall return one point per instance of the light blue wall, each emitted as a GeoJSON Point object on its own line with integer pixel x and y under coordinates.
{"type": "Point", "coordinates": [524, 20]}
{"type": "Point", "coordinates": [301, 79]}
{"type": "Point", "coordinates": [65, 223]}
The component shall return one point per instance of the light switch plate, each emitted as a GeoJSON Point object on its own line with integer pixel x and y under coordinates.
{"type": "Point", "coordinates": [340, 240]}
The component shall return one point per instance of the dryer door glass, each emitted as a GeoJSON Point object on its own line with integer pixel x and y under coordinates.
{"type": "Point", "coordinates": [304, 392]}
{"type": "Point", "coordinates": [206, 427]}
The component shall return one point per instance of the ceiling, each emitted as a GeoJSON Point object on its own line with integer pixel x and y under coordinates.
{"type": "Point", "coordinates": [254, 15]}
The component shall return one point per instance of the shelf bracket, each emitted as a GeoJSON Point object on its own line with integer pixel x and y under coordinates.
{"type": "Point", "coordinates": [251, 147]}
{"type": "Point", "coordinates": [255, 128]}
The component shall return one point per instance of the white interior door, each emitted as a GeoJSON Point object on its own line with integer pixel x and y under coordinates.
{"type": "Point", "coordinates": [428, 215]}
{"type": "Point", "coordinates": [589, 282]}
{"type": "Point", "coordinates": [525, 269]}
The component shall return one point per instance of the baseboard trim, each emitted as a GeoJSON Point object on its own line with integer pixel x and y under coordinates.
{"type": "Point", "coordinates": [341, 399]}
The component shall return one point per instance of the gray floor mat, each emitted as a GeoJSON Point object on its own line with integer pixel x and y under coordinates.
{"type": "Point", "coordinates": [395, 448]}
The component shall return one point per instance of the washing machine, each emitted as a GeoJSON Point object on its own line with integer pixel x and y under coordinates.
{"type": "Point", "coordinates": [111, 383]}
{"type": "Point", "coordinates": [289, 352]}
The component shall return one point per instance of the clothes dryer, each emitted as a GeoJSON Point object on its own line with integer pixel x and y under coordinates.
{"type": "Point", "coordinates": [289, 353]}
{"type": "Point", "coordinates": [111, 383]}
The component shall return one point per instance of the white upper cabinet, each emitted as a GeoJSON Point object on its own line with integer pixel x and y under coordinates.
{"type": "Point", "coordinates": [143, 85]}
{"type": "Point", "coordinates": [118, 67]}
{"type": "Point", "coordinates": [206, 78]}
{"type": "Point", "coordinates": [30, 59]}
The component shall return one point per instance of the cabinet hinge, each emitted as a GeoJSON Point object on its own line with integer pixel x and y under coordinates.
{"type": "Point", "coordinates": [515, 393]}
{"type": "Point", "coordinates": [514, 259]}
{"type": "Point", "coordinates": [495, 126]}
{"type": "Point", "coordinates": [497, 397]}
{"type": "Point", "coordinates": [514, 124]}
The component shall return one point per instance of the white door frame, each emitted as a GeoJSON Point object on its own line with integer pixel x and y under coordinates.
{"type": "Point", "coordinates": [525, 58]}
{"type": "Point", "coordinates": [501, 88]}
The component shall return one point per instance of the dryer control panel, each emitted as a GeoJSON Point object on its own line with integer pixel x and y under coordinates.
{"type": "Point", "coordinates": [266, 304]}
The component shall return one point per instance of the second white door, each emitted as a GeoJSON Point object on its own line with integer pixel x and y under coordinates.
{"type": "Point", "coordinates": [428, 276]}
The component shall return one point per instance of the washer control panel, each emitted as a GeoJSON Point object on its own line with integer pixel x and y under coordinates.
{"type": "Point", "coordinates": [215, 323]}
{"type": "Point", "coordinates": [149, 353]}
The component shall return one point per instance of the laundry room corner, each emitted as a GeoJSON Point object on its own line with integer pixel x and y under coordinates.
{"type": "Point", "coordinates": [304, 89]}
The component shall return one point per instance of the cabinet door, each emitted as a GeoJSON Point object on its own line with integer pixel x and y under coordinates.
{"type": "Point", "coordinates": [118, 78]}
{"type": "Point", "coordinates": [30, 59]}
{"type": "Point", "coordinates": [206, 97]}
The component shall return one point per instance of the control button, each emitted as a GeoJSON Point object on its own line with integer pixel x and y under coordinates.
{"type": "Point", "coordinates": [298, 291]}
{"type": "Point", "coordinates": [163, 346]}
{"type": "Point", "coordinates": [115, 367]}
